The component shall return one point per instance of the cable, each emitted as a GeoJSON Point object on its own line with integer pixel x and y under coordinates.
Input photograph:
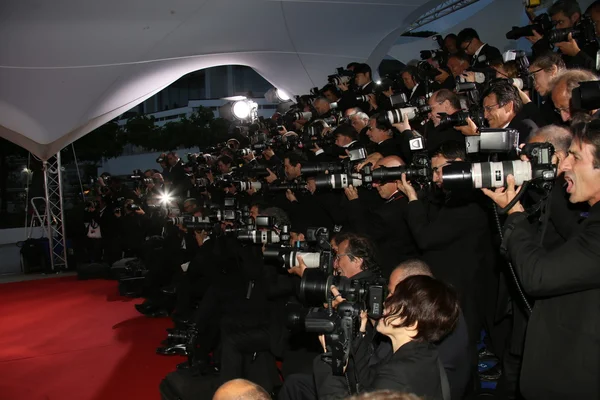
{"type": "Point", "coordinates": [27, 193]}
{"type": "Point", "coordinates": [78, 174]}
{"type": "Point", "coordinates": [510, 266]}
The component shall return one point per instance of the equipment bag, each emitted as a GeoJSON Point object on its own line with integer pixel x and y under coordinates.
{"type": "Point", "coordinates": [182, 385]}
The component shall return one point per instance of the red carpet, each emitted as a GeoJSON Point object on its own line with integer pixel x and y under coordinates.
{"type": "Point", "coordinates": [63, 339]}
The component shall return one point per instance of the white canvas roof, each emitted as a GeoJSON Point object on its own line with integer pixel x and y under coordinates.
{"type": "Point", "coordinates": [69, 66]}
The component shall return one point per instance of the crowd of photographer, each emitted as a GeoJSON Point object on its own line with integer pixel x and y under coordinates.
{"type": "Point", "coordinates": [357, 215]}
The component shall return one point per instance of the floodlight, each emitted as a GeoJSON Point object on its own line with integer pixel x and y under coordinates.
{"type": "Point", "coordinates": [282, 95]}
{"type": "Point", "coordinates": [241, 109]}
{"type": "Point", "coordinates": [165, 198]}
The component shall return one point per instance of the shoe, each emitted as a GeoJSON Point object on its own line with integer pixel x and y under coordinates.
{"type": "Point", "coordinates": [170, 290]}
{"type": "Point", "coordinates": [145, 308]}
{"type": "Point", "coordinates": [178, 349]}
{"type": "Point", "coordinates": [484, 353]}
{"type": "Point", "coordinates": [491, 374]}
{"type": "Point", "coordinates": [158, 313]}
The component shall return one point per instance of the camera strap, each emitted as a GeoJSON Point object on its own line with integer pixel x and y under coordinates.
{"type": "Point", "coordinates": [508, 230]}
{"type": "Point", "coordinates": [444, 381]}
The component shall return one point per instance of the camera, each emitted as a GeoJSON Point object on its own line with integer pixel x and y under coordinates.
{"type": "Point", "coordinates": [315, 251]}
{"type": "Point", "coordinates": [460, 175]}
{"type": "Point", "coordinates": [194, 223]}
{"type": "Point", "coordinates": [584, 31]}
{"type": "Point", "coordinates": [586, 96]}
{"type": "Point", "coordinates": [460, 118]}
{"type": "Point", "coordinates": [342, 76]}
{"type": "Point", "coordinates": [541, 24]}
{"type": "Point", "coordinates": [493, 141]}
{"type": "Point", "coordinates": [396, 116]}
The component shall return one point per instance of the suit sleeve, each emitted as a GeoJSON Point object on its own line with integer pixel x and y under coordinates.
{"type": "Point", "coordinates": [572, 267]}
{"type": "Point", "coordinates": [444, 230]}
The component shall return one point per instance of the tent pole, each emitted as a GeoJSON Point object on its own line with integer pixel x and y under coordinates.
{"type": "Point", "coordinates": [54, 213]}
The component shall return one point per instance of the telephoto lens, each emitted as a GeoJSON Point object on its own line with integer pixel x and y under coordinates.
{"type": "Point", "coordinates": [336, 181]}
{"type": "Point", "coordinates": [259, 237]}
{"type": "Point", "coordinates": [460, 175]}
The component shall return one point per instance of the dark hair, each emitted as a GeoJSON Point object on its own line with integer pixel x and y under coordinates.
{"type": "Point", "coordinates": [380, 123]}
{"type": "Point", "coordinates": [331, 88]}
{"type": "Point", "coordinates": [505, 92]}
{"type": "Point", "coordinates": [443, 95]}
{"type": "Point", "coordinates": [384, 395]}
{"type": "Point", "coordinates": [260, 204]}
{"type": "Point", "coordinates": [460, 55]}
{"type": "Point", "coordinates": [412, 71]}
{"type": "Point", "coordinates": [467, 35]}
{"type": "Point", "coordinates": [567, 7]}
{"type": "Point", "coordinates": [589, 133]}
{"type": "Point", "coordinates": [281, 217]}
{"type": "Point", "coordinates": [451, 36]}
{"type": "Point", "coordinates": [295, 158]}
{"type": "Point", "coordinates": [225, 160]}
{"type": "Point", "coordinates": [352, 65]}
{"type": "Point", "coordinates": [346, 130]}
{"type": "Point", "coordinates": [547, 60]}
{"type": "Point", "coordinates": [451, 150]}
{"type": "Point", "coordinates": [510, 68]}
{"type": "Point", "coordinates": [362, 69]}
{"type": "Point", "coordinates": [362, 247]}
{"type": "Point", "coordinates": [424, 300]}
{"type": "Point", "coordinates": [595, 6]}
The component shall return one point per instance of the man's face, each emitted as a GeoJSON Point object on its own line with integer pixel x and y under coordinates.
{"type": "Point", "coordinates": [329, 95]}
{"type": "Point", "coordinates": [385, 190]}
{"type": "Point", "coordinates": [437, 108]}
{"type": "Point", "coordinates": [408, 80]}
{"type": "Point", "coordinates": [562, 21]}
{"type": "Point", "coordinates": [341, 140]}
{"type": "Point", "coordinates": [291, 172]}
{"type": "Point", "coordinates": [361, 79]}
{"type": "Point", "coordinates": [450, 45]}
{"type": "Point", "coordinates": [346, 264]}
{"type": "Point", "coordinates": [468, 46]}
{"type": "Point", "coordinates": [583, 180]}
{"type": "Point", "coordinates": [322, 107]}
{"type": "Point", "coordinates": [497, 115]}
{"type": "Point", "coordinates": [562, 99]}
{"type": "Point", "coordinates": [437, 165]}
{"type": "Point", "coordinates": [395, 278]}
{"type": "Point", "coordinates": [541, 79]}
{"type": "Point", "coordinates": [189, 208]}
{"type": "Point", "coordinates": [254, 212]}
{"type": "Point", "coordinates": [358, 123]}
{"type": "Point", "coordinates": [171, 159]}
{"type": "Point", "coordinates": [457, 67]}
{"type": "Point", "coordinates": [223, 168]}
{"type": "Point", "coordinates": [375, 134]}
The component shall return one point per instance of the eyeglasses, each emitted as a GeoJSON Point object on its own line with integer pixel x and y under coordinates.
{"type": "Point", "coordinates": [439, 168]}
{"type": "Point", "coordinates": [560, 110]}
{"type": "Point", "coordinates": [535, 72]}
{"type": "Point", "coordinates": [338, 256]}
{"type": "Point", "coordinates": [490, 108]}
{"type": "Point", "coordinates": [463, 48]}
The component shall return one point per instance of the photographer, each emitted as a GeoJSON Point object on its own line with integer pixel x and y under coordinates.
{"type": "Point", "coordinates": [561, 351]}
{"type": "Point", "coordinates": [363, 86]}
{"type": "Point", "coordinates": [385, 223]}
{"type": "Point", "coordinates": [543, 70]}
{"type": "Point", "coordinates": [413, 84]}
{"type": "Point", "coordinates": [458, 63]}
{"type": "Point", "coordinates": [451, 230]}
{"type": "Point", "coordinates": [443, 102]}
{"type": "Point", "coordinates": [360, 123]}
{"type": "Point", "coordinates": [503, 108]}
{"type": "Point", "coordinates": [176, 174]}
{"type": "Point", "coordinates": [481, 53]}
{"type": "Point", "coordinates": [381, 133]}
{"type": "Point", "coordinates": [420, 312]}
{"type": "Point", "coordinates": [562, 90]}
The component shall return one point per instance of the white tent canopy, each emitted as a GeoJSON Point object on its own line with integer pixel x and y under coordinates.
{"type": "Point", "coordinates": [70, 66]}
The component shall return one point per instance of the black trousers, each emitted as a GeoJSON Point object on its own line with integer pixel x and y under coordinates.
{"type": "Point", "coordinates": [238, 351]}
{"type": "Point", "coordinates": [298, 387]}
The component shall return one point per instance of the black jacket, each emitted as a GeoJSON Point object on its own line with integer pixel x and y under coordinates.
{"type": "Point", "coordinates": [487, 55]}
{"type": "Point", "coordinates": [386, 226]}
{"type": "Point", "coordinates": [442, 134]}
{"type": "Point", "coordinates": [413, 368]}
{"type": "Point", "coordinates": [562, 351]}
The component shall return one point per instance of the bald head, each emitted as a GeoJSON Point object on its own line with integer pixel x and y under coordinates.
{"type": "Point", "coordinates": [321, 104]}
{"type": "Point", "coordinates": [241, 389]}
{"type": "Point", "coordinates": [390, 161]}
{"type": "Point", "coordinates": [406, 269]}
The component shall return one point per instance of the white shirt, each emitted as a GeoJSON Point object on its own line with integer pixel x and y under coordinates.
{"type": "Point", "coordinates": [414, 90]}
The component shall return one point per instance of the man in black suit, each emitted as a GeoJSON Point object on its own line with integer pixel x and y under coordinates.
{"type": "Point", "coordinates": [363, 86]}
{"type": "Point", "coordinates": [381, 133]}
{"type": "Point", "coordinates": [503, 109]}
{"type": "Point", "coordinates": [483, 54]}
{"type": "Point", "coordinates": [443, 102]}
{"type": "Point", "coordinates": [561, 347]}
{"type": "Point", "coordinates": [385, 224]}
{"type": "Point", "coordinates": [413, 84]}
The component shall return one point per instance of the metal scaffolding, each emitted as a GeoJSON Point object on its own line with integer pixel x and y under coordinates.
{"type": "Point", "coordinates": [55, 228]}
{"type": "Point", "coordinates": [445, 8]}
